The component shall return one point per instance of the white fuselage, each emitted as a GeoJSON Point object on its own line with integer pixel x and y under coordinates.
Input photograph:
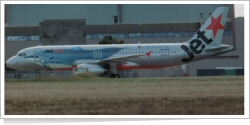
{"type": "Point", "coordinates": [65, 57]}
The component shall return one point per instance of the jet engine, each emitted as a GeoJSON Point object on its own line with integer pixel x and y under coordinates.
{"type": "Point", "coordinates": [90, 68]}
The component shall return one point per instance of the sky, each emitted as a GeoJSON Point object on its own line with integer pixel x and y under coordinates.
{"type": "Point", "coordinates": [239, 10]}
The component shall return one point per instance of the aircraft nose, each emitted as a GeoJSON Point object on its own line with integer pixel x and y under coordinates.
{"type": "Point", "coordinates": [12, 62]}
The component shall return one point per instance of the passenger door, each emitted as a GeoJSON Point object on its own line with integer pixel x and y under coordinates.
{"type": "Point", "coordinates": [37, 54]}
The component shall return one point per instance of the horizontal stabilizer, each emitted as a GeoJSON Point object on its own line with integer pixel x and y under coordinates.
{"type": "Point", "coordinates": [217, 48]}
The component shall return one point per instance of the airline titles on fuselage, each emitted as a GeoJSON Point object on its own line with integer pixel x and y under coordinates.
{"type": "Point", "coordinates": [54, 51]}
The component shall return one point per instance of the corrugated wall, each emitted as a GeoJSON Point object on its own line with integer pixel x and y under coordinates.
{"type": "Point", "coordinates": [32, 14]}
{"type": "Point", "coordinates": [161, 13]}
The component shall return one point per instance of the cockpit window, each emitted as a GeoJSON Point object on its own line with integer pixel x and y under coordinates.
{"type": "Point", "coordinates": [22, 54]}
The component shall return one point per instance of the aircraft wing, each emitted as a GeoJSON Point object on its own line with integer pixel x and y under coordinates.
{"type": "Point", "coordinates": [123, 59]}
{"type": "Point", "coordinates": [119, 60]}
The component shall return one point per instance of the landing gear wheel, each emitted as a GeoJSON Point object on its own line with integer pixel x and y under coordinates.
{"type": "Point", "coordinates": [114, 76]}
{"type": "Point", "coordinates": [117, 76]}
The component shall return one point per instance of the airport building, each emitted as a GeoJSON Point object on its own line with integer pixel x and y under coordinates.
{"type": "Point", "coordinates": [29, 25]}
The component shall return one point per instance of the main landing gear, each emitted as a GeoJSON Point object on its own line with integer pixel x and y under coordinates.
{"type": "Point", "coordinates": [111, 71]}
{"type": "Point", "coordinates": [114, 76]}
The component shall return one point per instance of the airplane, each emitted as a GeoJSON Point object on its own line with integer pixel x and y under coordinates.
{"type": "Point", "coordinates": [108, 59]}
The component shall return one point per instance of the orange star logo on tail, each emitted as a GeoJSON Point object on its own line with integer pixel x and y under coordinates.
{"type": "Point", "coordinates": [215, 25]}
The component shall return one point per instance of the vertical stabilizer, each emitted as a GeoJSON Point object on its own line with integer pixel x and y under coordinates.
{"type": "Point", "coordinates": [212, 30]}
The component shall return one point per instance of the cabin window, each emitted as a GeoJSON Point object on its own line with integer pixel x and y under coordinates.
{"type": "Point", "coordinates": [24, 54]}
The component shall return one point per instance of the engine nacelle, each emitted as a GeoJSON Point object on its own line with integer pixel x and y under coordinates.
{"type": "Point", "coordinates": [89, 68]}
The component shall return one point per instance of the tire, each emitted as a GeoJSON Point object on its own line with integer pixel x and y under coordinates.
{"type": "Point", "coordinates": [112, 76]}
{"type": "Point", "coordinates": [117, 76]}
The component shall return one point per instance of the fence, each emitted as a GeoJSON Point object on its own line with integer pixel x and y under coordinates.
{"type": "Point", "coordinates": [219, 72]}
{"type": "Point", "coordinates": [143, 73]}
{"type": "Point", "coordinates": [138, 73]}
{"type": "Point", "coordinates": [42, 74]}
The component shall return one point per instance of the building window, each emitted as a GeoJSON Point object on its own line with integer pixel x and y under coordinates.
{"type": "Point", "coordinates": [115, 19]}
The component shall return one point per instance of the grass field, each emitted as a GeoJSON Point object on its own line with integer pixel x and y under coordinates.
{"type": "Point", "coordinates": [138, 96]}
